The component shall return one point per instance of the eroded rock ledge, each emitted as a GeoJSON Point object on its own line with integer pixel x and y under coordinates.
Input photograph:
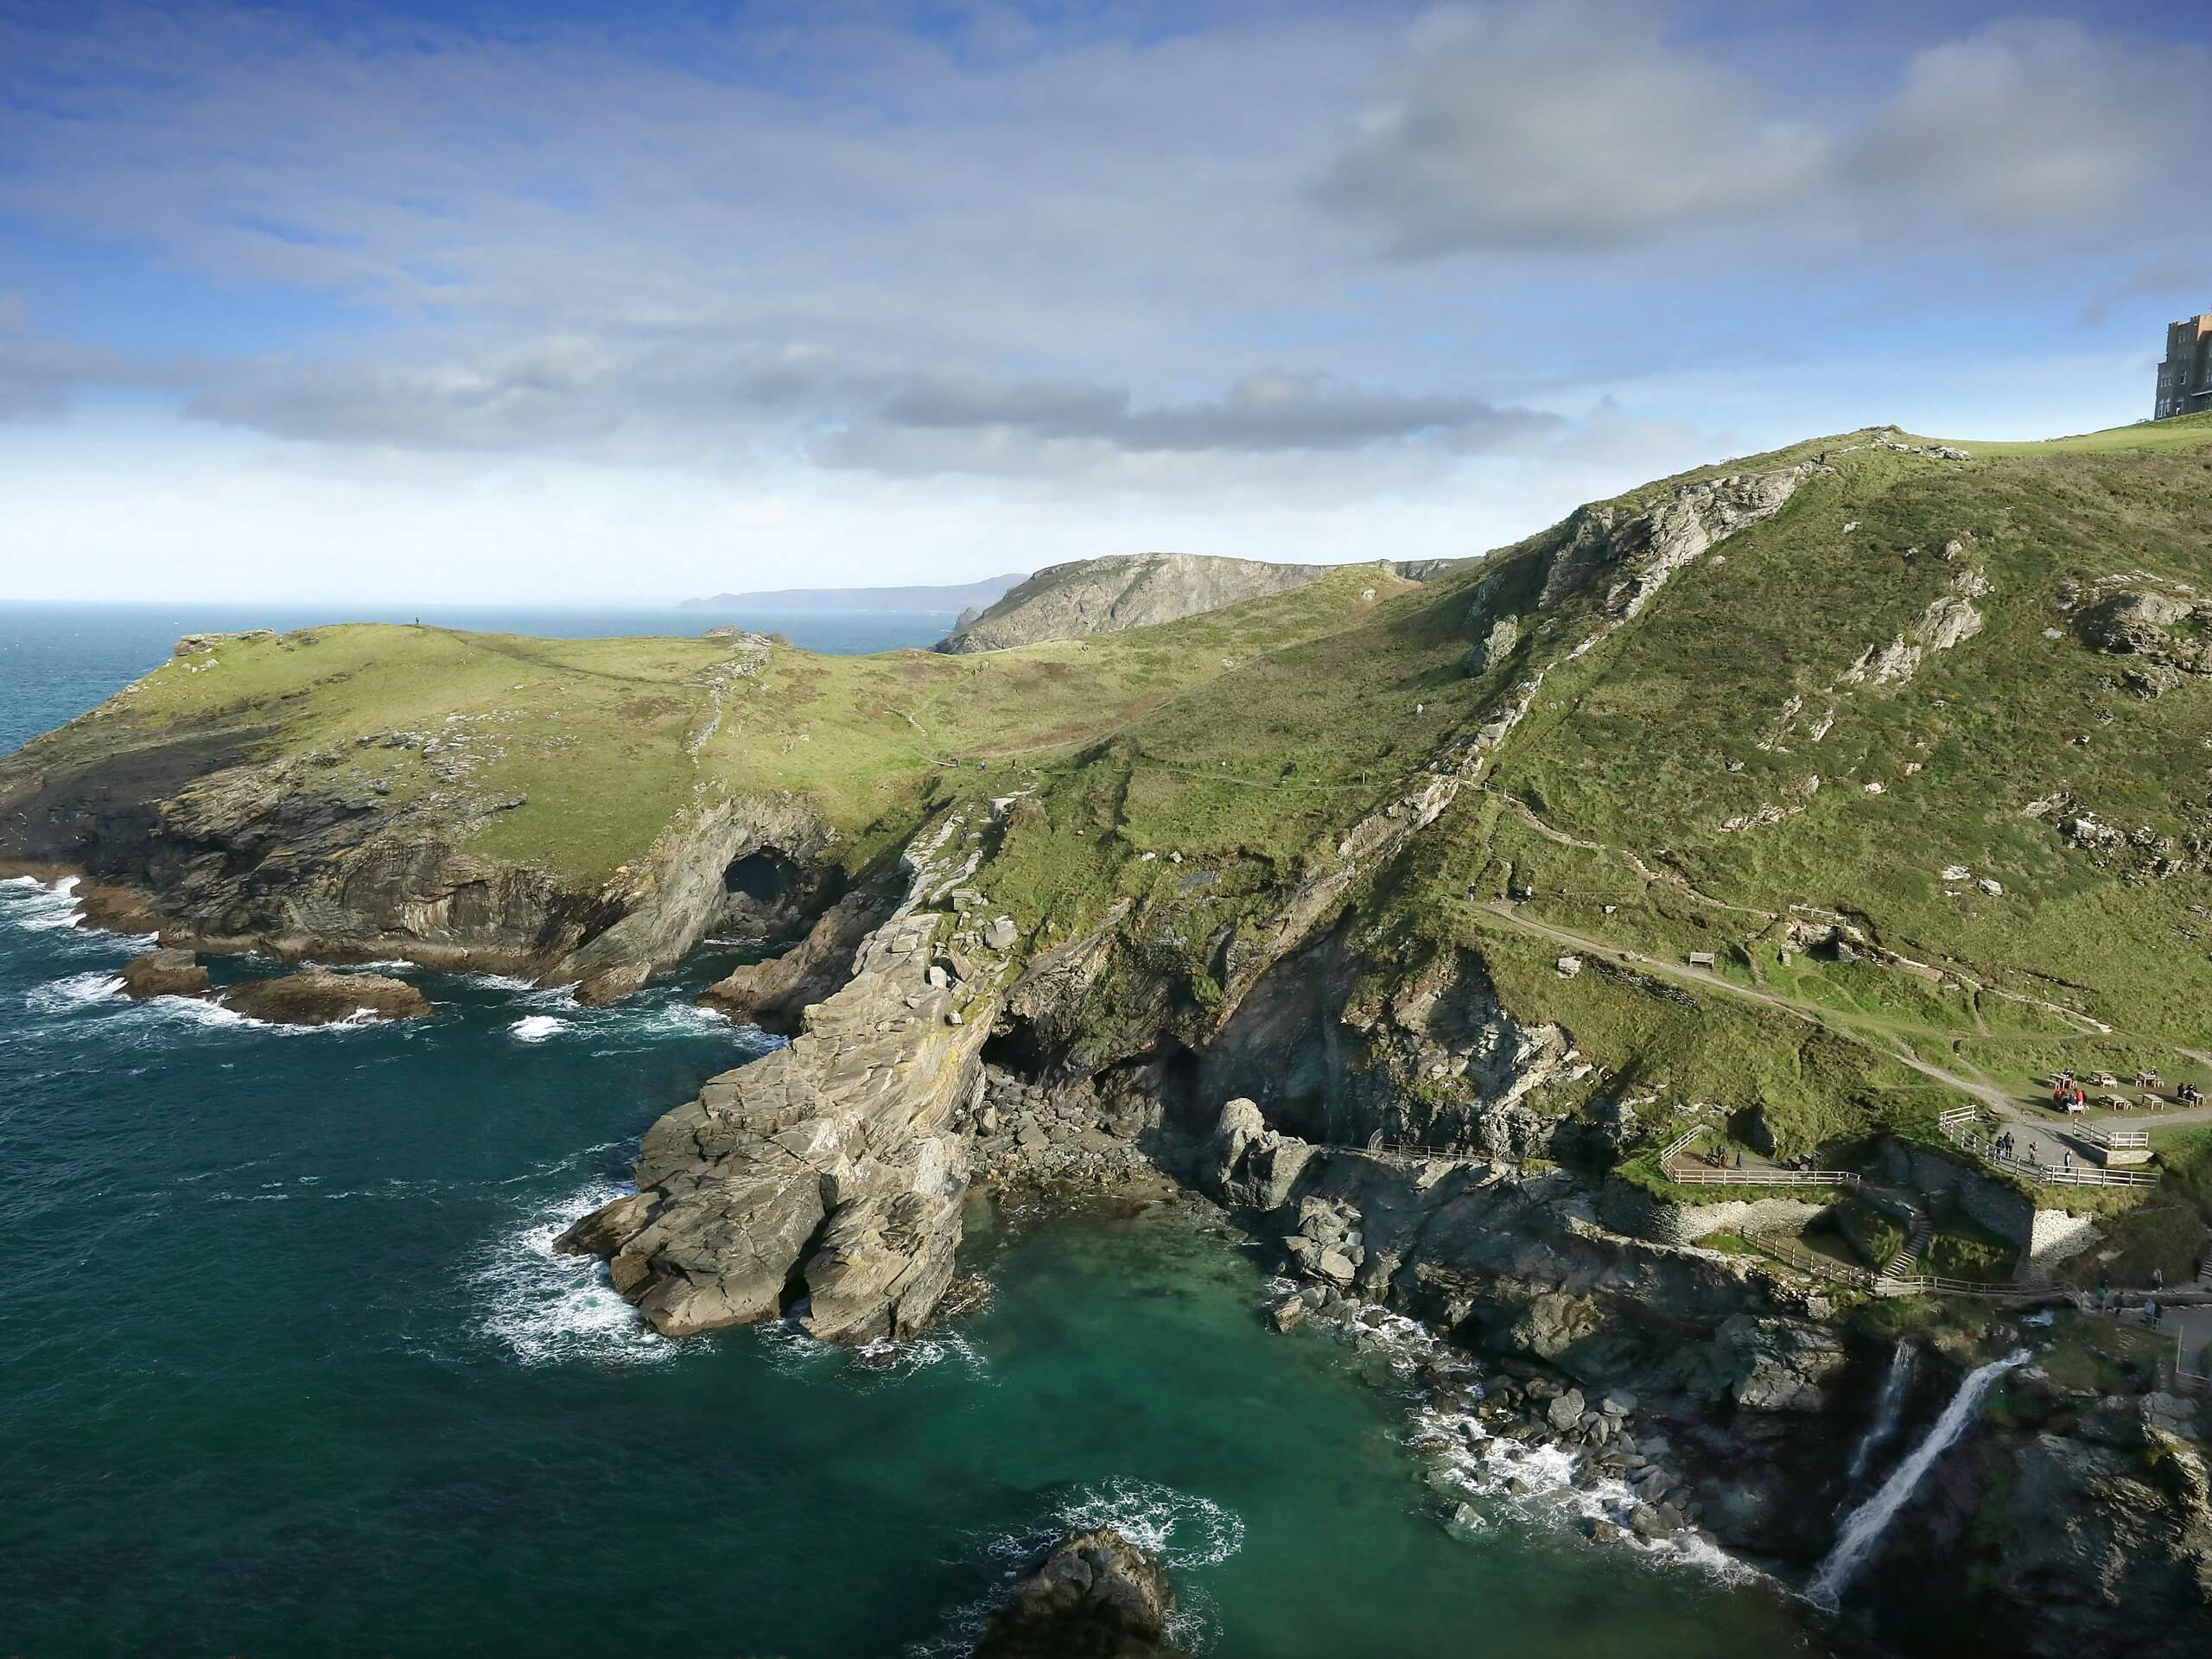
{"type": "Point", "coordinates": [823, 1181]}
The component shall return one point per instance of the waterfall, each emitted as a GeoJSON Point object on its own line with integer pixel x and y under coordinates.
{"type": "Point", "coordinates": [1885, 1413]}
{"type": "Point", "coordinates": [1866, 1523]}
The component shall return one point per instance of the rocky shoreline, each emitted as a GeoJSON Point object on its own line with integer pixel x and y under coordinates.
{"type": "Point", "coordinates": [1653, 1398]}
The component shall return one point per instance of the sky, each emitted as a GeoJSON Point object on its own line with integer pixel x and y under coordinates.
{"type": "Point", "coordinates": [550, 301]}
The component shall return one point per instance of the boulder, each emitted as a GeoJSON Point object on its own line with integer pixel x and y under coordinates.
{"type": "Point", "coordinates": [1000, 933]}
{"type": "Point", "coordinates": [1093, 1593]}
{"type": "Point", "coordinates": [1495, 646]}
{"type": "Point", "coordinates": [2133, 623]}
{"type": "Point", "coordinates": [1565, 1411]}
{"type": "Point", "coordinates": [1775, 1364]}
{"type": "Point", "coordinates": [320, 996]}
{"type": "Point", "coordinates": [165, 973]}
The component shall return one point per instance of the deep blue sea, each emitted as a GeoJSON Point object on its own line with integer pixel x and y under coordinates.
{"type": "Point", "coordinates": [286, 1366]}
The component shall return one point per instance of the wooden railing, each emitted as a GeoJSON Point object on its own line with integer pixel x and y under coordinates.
{"type": "Point", "coordinates": [1930, 1284]}
{"type": "Point", "coordinates": [1697, 1175]}
{"type": "Point", "coordinates": [1885, 1284]}
{"type": "Point", "coordinates": [2115, 1139]}
{"type": "Point", "coordinates": [1805, 1261]}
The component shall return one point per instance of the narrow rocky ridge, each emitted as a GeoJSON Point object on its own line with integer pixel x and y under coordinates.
{"type": "Point", "coordinates": [825, 1179]}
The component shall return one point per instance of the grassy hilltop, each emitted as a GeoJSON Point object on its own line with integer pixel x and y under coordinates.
{"type": "Point", "coordinates": [1657, 797]}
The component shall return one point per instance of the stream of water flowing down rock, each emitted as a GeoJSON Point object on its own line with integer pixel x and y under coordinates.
{"type": "Point", "coordinates": [1867, 1522]}
{"type": "Point", "coordinates": [1885, 1413]}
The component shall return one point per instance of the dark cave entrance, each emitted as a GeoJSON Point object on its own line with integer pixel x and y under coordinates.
{"type": "Point", "coordinates": [768, 892]}
{"type": "Point", "coordinates": [764, 875]}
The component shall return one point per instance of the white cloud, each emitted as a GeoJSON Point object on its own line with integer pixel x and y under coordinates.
{"type": "Point", "coordinates": [1571, 126]}
{"type": "Point", "coordinates": [2032, 127]}
{"type": "Point", "coordinates": [1582, 127]}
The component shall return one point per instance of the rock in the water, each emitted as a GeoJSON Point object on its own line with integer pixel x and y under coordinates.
{"type": "Point", "coordinates": [165, 973]}
{"type": "Point", "coordinates": [1095, 1596]}
{"type": "Point", "coordinates": [825, 1178]}
{"type": "Point", "coordinates": [320, 996]}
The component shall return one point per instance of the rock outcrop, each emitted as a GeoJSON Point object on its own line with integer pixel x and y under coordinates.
{"type": "Point", "coordinates": [773, 994]}
{"type": "Point", "coordinates": [823, 1181]}
{"type": "Point", "coordinates": [165, 973]}
{"type": "Point", "coordinates": [1128, 590]}
{"type": "Point", "coordinates": [188, 833]}
{"type": "Point", "coordinates": [321, 996]}
{"type": "Point", "coordinates": [1093, 1595]}
{"type": "Point", "coordinates": [1633, 553]}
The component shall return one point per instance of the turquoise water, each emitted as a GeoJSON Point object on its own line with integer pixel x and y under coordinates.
{"type": "Point", "coordinates": [287, 1367]}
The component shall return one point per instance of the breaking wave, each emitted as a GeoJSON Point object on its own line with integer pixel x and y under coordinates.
{"type": "Point", "coordinates": [537, 1027]}
{"type": "Point", "coordinates": [548, 1309]}
{"type": "Point", "coordinates": [1499, 1476]}
{"type": "Point", "coordinates": [1183, 1530]}
{"type": "Point", "coordinates": [76, 991]}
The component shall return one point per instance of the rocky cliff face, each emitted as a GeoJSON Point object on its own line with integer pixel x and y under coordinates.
{"type": "Point", "coordinates": [1134, 590]}
{"type": "Point", "coordinates": [824, 1180]}
{"type": "Point", "coordinates": [189, 833]}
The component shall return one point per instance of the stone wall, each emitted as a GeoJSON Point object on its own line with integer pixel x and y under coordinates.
{"type": "Point", "coordinates": [2056, 1236]}
{"type": "Point", "coordinates": [2044, 1237]}
{"type": "Point", "coordinates": [1631, 1210]}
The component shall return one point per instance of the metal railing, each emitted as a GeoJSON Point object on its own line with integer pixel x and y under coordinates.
{"type": "Point", "coordinates": [1956, 1125]}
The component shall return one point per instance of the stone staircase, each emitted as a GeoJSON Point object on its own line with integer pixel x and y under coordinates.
{"type": "Point", "coordinates": [1907, 1260]}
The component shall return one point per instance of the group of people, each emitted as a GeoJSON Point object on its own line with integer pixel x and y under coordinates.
{"type": "Point", "coordinates": [2066, 1093]}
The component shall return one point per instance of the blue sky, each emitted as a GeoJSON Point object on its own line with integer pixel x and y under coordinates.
{"type": "Point", "coordinates": [577, 302]}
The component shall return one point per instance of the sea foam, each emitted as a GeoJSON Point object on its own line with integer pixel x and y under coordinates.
{"type": "Point", "coordinates": [546, 1308]}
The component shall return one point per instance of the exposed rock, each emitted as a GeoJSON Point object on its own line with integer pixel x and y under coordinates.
{"type": "Point", "coordinates": [1947, 622]}
{"type": "Point", "coordinates": [165, 973]}
{"type": "Point", "coordinates": [2133, 623]}
{"type": "Point", "coordinates": [1635, 553]}
{"type": "Point", "coordinates": [200, 644]}
{"type": "Point", "coordinates": [1776, 1365]}
{"type": "Point", "coordinates": [1495, 646]}
{"type": "Point", "coordinates": [1123, 590]}
{"type": "Point", "coordinates": [1094, 1595]}
{"type": "Point", "coordinates": [773, 994]}
{"type": "Point", "coordinates": [320, 996]}
{"type": "Point", "coordinates": [825, 1179]}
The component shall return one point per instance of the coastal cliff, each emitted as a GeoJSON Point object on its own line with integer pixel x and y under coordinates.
{"type": "Point", "coordinates": [1423, 926]}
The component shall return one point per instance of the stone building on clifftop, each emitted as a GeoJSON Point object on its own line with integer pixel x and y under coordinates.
{"type": "Point", "coordinates": [2185, 377]}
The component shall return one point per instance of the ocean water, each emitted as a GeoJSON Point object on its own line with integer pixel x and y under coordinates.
{"type": "Point", "coordinates": [287, 1367]}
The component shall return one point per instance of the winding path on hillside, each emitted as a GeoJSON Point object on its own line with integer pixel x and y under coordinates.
{"type": "Point", "coordinates": [2007, 1108]}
